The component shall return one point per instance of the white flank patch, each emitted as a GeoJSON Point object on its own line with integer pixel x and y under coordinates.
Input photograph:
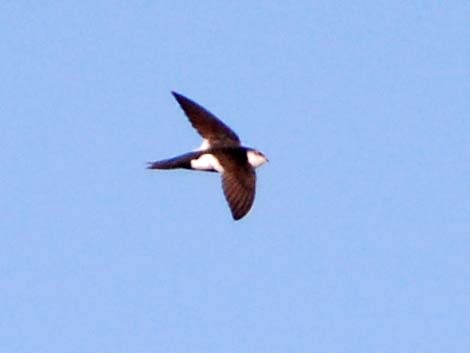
{"type": "Point", "coordinates": [255, 160]}
{"type": "Point", "coordinates": [207, 162]}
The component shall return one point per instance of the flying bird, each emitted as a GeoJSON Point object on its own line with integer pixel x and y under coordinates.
{"type": "Point", "coordinates": [221, 151]}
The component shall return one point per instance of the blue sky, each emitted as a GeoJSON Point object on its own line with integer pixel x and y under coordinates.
{"type": "Point", "coordinates": [359, 237]}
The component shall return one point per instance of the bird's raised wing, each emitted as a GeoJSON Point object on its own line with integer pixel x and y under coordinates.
{"type": "Point", "coordinates": [213, 130]}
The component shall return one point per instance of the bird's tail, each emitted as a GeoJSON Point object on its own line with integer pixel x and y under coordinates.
{"type": "Point", "coordinates": [183, 161]}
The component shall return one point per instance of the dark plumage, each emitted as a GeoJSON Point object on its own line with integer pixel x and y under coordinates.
{"type": "Point", "coordinates": [222, 153]}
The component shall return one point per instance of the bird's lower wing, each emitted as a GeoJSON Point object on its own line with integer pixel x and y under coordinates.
{"type": "Point", "coordinates": [239, 189]}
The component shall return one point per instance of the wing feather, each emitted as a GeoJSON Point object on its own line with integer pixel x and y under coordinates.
{"type": "Point", "coordinates": [239, 189]}
{"type": "Point", "coordinates": [207, 124]}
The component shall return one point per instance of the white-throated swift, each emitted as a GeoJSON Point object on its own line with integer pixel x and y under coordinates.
{"type": "Point", "coordinates": [221, 151]}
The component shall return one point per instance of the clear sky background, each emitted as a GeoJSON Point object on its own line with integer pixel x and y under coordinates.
{"type": "Point", "coordinates": [359, 239]}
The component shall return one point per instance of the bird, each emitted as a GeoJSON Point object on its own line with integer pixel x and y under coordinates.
{"type": "Point", "coordinates": [221, 151]}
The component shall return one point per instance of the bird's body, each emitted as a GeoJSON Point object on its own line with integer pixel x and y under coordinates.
{"type": "Point", "coordinates": [221, 152]}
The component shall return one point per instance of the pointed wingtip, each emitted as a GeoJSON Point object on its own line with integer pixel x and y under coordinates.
{"type": "Point", "coordinates": [238, 215]}
{"type": "Point", "coordinates": [176, 95]}
{"type": "Point", "coordinates": [237, 218]}
{"type": "Point", "coordinates": [179, 98]}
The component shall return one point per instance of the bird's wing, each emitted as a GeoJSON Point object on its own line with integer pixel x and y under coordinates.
{"type": "Point", "coordinates": [214, 131]}
{"type": "Point", "coordinates": [239, 184]}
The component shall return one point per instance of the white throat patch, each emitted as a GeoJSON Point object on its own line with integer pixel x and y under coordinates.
{"type": "Point", "coordinates": [255, 160]}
